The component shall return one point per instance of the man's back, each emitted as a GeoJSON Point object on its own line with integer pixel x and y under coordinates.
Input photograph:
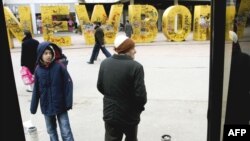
{"type": "Point", "coordinates": [121, 81]}
{"type": "Point", "coordinates": [122, 86]}
{"type": "Point", "coordinates": [29, 54]}
{"type": "Point", "coordinates": [122, 75]}
{"type": "Point", "coordinates": [128, 29]}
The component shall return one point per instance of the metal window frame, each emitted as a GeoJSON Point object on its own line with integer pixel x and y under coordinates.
{"type": "Point", "coordinates": [12, 116]}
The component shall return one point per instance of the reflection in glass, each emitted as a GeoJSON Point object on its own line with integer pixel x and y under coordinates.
{"type": "Point", "coordinates": [238, 93]}
{"type": "Point", "coordinates": [236, 96]}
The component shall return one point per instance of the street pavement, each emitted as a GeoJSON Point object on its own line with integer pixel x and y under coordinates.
{"type": "Point", "coordinates": [176, 78]}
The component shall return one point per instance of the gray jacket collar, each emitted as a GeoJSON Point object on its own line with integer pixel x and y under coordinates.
{"type": "Point", "coordinates": [122, 57]}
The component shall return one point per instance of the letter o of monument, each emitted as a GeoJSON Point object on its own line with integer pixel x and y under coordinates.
{"type": "Point", "coordinates": [169, 22]}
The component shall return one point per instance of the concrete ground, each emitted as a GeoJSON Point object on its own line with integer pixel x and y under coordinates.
{"type": "Point", "coordinates": [176, 77]}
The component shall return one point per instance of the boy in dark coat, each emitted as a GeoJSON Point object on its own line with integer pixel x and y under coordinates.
{"type": "Point", "coordinates": [121, 81]}
{"type": "Point", "coordinates": [54, 88]}
{"type": "Point", "coordinates": [28, 54]}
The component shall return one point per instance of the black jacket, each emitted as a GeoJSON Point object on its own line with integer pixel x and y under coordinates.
{"type": "Point", "coordinates": [28, 54]}
{"type": "Point", "coordinates": [121, 81]}
{"type": "Point", "coordinates": [128, 29]}
{"type": "Point", "coordinates": [238, 101]}
{"type": "Point", "coordinates": [99, 36]}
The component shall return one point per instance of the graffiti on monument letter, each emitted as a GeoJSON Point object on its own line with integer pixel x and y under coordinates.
{"type": "Point", "coordinates": [144, 26]}
{"type": "Point", "coordinates": [13, 25]}
{"type": "Point", "coordinates": [109, 24]}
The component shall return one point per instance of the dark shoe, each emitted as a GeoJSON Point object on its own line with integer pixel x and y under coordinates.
{"type": "Point", "coordinates": [90, 62]}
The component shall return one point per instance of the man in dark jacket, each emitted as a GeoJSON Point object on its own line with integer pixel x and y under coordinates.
{"type": "Point", "coordinates": [121, 81]}
{"type": "Point", "coordinates": [128, 29]}
{"type": "Point", "coordinates": [99, 44]}
{"type": "Point", "coordinates": [238, 101]}
{"type": "Point", "coordinates": [28, 54]}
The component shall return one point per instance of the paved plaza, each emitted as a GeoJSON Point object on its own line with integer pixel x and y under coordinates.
{"type": "Point", "coordinates": [176, 78]}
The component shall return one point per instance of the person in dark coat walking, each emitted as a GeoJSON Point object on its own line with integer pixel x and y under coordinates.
{"type": "Point", "coordinates": [99, 44]}
{"type": "Point", "coordinates": [238, 101]}
{"type": "Point", "coordinates": [28, 54]}
{"type": "Point", "coordinates": [54, 89]}
{"type": "Point", "coordinates": [128, 29]}
{"type": "Point", "coordinates": [124, 91]}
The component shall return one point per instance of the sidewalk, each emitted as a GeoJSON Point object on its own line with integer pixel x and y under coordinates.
{"type": "Point", "coordinates": [176, 77]}
{"type": "Point", "coordinates": [78, 41]}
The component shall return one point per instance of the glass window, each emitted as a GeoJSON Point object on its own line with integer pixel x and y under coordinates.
{"type": "Point", "coordinates": [236, 96]}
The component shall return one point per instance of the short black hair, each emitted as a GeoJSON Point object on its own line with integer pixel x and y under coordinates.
{"type": "Point", "coordinates": [27, 35]}
{"type": "Point", "coordinates": [26, 32]}
{"type": "Point", "coordinates": [97, 23]}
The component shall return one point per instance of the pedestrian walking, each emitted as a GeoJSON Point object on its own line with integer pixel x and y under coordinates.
{"type": "Point", "coordinates": [121, 81]}
{"type": "Point", "coordinates": [71, 25]}
{"type": "Point", "coordinates": [128, 29]}
{"type": "Point", "coordinates": [54, 89]}
{"type": "Point", "coordinates": [99, 43]}
{"type": "Point", "coordinates": [75, 27]}
{"type": "Point", "coordinates": [28, 55]}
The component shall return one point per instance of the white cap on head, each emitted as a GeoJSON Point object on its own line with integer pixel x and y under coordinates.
{"type": "Point", "coordinates": [119, 40]}
{"type": "Point", "coordinates": [233, 36]}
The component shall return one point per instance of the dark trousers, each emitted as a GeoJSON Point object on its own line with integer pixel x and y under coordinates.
{"type": "Point", "coordinates": [115, 132]}
{"type": "Point", "coordinates": [96, 50]}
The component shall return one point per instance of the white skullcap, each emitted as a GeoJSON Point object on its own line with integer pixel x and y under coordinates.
{"type": "Point", "coordinates": [233, 36]}
{"type": "Point", "coordinates": [123, 44]}
{"type": "Point", "coordinates": [119, 40]}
